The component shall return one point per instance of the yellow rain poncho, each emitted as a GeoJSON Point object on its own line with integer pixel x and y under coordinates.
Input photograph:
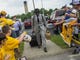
{"type": "Point", "coordinates": [10, 45]}
{"type": "Point", "coordinates": [2, 54]}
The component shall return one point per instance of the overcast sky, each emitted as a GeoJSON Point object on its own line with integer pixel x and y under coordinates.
{"type": "Point", "coordinates": [14, 7]}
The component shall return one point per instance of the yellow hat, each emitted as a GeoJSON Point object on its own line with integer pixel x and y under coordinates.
{"type": "Point", "coordinates": [10, 22]}
{"type": "Point", "coordinates": [3, 12]}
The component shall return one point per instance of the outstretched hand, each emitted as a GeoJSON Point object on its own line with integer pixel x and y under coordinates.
{"type": "Point", "coordinates": [7, 57]}
{"type": "Point", "coordinates": [76, 24]}
{"type": "Point", "coordinates": [55, 24]}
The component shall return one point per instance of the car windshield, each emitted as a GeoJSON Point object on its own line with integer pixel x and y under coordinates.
{"type": "Point", "coordinates": [60, 13]}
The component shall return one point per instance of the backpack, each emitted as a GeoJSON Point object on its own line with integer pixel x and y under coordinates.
{"type": "Point", "coordinates": [33, 42]}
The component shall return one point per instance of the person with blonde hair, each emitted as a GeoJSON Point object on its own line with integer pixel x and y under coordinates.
{"type": "Point", "coordinates": [3, 19]}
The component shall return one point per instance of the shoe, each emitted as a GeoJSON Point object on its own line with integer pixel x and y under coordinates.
{"type": "Point", "coordinates": [45, 50]}
{"type": "Point", "coordinates": [23, 58]}
{"type": "Point", "coordinates": [39, 46]}
{"type": "Point", "coordinates": [75, 52]}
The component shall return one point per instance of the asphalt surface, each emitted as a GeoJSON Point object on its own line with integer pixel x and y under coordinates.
{"type": "Point", "coordinates": [57, 57]}
{"type": "Point", "coordinates": [63, 56]}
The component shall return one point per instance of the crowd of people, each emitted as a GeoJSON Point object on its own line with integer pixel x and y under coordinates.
{"type": "Point", "coordinates": [10, 37]}
{"type": "Point", "coordinates": [71, 14]}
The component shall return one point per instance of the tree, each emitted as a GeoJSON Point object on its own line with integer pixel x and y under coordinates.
{"type": "Point", "coordinates": [50, 11]}
{"type": "Point", "coordinates": [55, 9]}
{"type": "Point", "coordinates": [23, 17]}
{"type": "Point", "coordinates": [29, 14]}
{"type": "Point", "coordinates": [8, 16]}
{"type": "Point", "coordinates": [42, 10]}
{"type": "Point", "coordinates": [18, 16]}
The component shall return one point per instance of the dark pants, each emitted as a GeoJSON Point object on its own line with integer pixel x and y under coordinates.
{"type": "Point", "coordinates": [17, 33]}
{"type": "Point", "coordinates": [77, 49]}
{"type": "Point", "coordinates": [13, 34]}
{"type": "Point", "coordinates": [75, 36]}
{"type": "Point", "coordinates": [58, 29]}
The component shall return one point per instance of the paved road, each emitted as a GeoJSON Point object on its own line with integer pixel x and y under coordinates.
{"type": "Point", "coordinates": [64, 56]}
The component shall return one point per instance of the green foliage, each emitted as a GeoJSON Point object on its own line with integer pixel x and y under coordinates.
{"type": "Point", "coordinates": [23, 17]}
{"type": "Point", "coordinates": [18, 16]}
{"type": "Point", "coordinates": [8, 16]}
{"type": "Point", "coordinates": [29, 14]}
{"type": "Point", "coordinates": [55, 9]}
{"type": "Point", "coordinates": [59, 41]}
{"type": "Point", "coordinates": [50, 11]}
{"type": "Point", "coordinates": [46, 12]}
{"type": "Point", "coordinates": [21, 47]}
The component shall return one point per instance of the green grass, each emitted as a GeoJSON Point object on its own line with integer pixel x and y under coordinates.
{"type": "Point", "coordinates": [57, 39]}
{"type": "Point", "coordinates": [21, 47]}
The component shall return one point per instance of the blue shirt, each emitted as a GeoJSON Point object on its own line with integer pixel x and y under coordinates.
{"type": "Point", "coordinates": [16, 26]}
{"type": "Point", "coordinates": [68, 12]}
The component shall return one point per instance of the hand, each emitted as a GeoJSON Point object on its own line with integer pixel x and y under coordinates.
{"type": "Point", "coordinates": [76, 24]}
{"type": "Point", "coordinates": [24, 33]}
{"type": "Point", "coordinates": [56, 24]}
{"type": "Point", "coordinates": [7, 57]}
{"type": "Point", "coordinates": [67, 14]}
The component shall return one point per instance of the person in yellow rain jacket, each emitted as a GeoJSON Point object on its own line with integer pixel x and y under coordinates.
{"type": "Point", "coordinates": [3, 55]}
{"type": "Point", "coordinates": [11, 43]}
{"type": "Point", "coordinates": [10, 23]}
{"type": "Point", "coordinates": [3, 19]}
{"type": "Point", "coordinates": [13, 34]}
